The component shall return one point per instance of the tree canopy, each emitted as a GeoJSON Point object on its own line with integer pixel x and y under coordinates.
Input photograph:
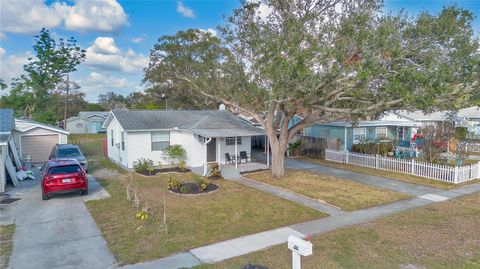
{"type": "Point", "coordinates": [324, 61]}
{"type": "Point", "coordinates": [35, 92]}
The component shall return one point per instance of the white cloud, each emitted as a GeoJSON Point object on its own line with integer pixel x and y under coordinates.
{"type": "Point", "coordinates": [209, 30]}
{"type": "Point", "coordinates": [29, 16]}
{"type": "Point", "coordinates": [11, 66]}
{"type": "Point", "coordinates": [137, 39]}
{"type": "Point", "coordinates": [96, 83]}
{"type": "Point", "coordinates": [263, 10]}
{"type": "Point", "coordinates": [105, 45]}
{"type": "Point", "coordinates": [105, 55]}
{"type": "Point", "coordinates": [96, 15]}
{"type": "Point", "coordinates": [96, 80]}
{"type": "Point", "coordinates": [185, 11]}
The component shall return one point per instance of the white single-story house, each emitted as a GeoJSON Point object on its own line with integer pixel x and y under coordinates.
{"type": "Point", "coordinates": [206, 135]}
{"type": "Point", "coordinates": [87, 122]}
{"type": "Point", "coordinates": [36, 139]}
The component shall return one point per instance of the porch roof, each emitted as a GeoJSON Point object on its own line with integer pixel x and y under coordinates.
{"type": "Point", "coordinates": [229, 132]}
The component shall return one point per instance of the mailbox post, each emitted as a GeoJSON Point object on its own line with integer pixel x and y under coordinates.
{"type": "Point", "coordinates": [299, 247]}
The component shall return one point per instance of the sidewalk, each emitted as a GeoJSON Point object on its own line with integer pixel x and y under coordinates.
{"type": "Point", "coordinates": [240, 246]}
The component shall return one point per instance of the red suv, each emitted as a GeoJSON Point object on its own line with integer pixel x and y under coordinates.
{"type": "Point", "coordinates": [62, 176]}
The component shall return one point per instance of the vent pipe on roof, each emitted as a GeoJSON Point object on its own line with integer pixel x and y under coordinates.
{"type": "Point", "coordinates": [221, 107]}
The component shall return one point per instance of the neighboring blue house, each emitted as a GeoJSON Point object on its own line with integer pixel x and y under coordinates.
{"type": "Point", "coordinates": [389, 127]}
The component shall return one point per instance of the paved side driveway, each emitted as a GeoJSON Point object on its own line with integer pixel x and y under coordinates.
{"type": "Point", "coordinates": [58, 233]}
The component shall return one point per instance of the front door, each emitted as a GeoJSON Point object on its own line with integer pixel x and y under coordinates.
{"type": "Point", "coordinates": [212, 151]}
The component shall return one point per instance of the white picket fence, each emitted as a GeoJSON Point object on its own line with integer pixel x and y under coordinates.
{"type": "Point", "coordinates": [457, 174]}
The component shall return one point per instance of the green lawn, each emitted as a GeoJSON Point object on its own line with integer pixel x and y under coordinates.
{"type": "Point", "coordinates": [389, 174]}
{"type": "Point", "coordinates": [439, 236]}
{"type": "Point", "coordinates": [232, 211]}
{"type": "Point", "coordinates": [345, 194]}
{"type": "Point", "coordinates": [6, 244]}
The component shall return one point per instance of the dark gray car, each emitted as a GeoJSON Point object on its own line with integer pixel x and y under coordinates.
{"type": "Point", "coordinates": [69, 151]}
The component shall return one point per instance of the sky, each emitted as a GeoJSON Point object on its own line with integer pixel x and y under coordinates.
{"type": "Point", "coordinates": [118, 35]}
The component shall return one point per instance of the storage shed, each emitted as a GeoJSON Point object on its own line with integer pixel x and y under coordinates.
{"type": "Point", "coordinates": [37, 139]}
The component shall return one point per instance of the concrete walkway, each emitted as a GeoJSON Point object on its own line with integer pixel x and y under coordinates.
{"type": "Point", "coordinates": [57, 233]}
{"type": "Point", "coordinates": [291, 196]}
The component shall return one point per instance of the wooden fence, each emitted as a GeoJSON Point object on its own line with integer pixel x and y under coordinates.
{"type": "Point", "coordinates": [457, 174]}
{"type": "Point", "coordinates": [311, 147]}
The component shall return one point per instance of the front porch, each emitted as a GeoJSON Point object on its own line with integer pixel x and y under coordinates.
{"type": "Point", "coordinates": [230, 171]}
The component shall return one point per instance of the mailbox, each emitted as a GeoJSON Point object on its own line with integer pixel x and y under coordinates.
{"type": "Point", "coordinates": [299, 246]}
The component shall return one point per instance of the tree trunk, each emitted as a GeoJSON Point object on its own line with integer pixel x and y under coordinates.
{"type": "Point", "coordinates": [278, 160]}
{"type": "Point", "coordinates": [278, 146]}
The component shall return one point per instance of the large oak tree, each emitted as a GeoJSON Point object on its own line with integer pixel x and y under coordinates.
{"type": "Point", "coordinates": [323, 60]}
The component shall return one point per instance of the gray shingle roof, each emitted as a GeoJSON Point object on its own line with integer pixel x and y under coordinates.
{"type": "Point", "coordinates": [208, 123]}
{"type": "Point", "coordinates": [86, 114]}
{"type": "Point", "coordinates": [6, 120]}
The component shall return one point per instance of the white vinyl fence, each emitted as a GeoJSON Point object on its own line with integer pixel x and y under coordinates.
{"type": "Point", "coordinates": [422, 169]}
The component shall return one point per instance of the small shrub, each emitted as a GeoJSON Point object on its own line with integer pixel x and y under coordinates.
{"type": "Point", "coordinates": [182, 165]}
{"type": "Point", "coordinates": [202, 183]}
{"type": "Point", "coordinates": [173, 183]}
{"type": "Point", "coordinates": [142, 214]}
{"type": "Point", "coordinates": [150, 170]}
{"type": "Point", "coordinates": [185, 189]}
{"type": "Point", "coordinates": [142, 165]}
{"type": "Point", "coordinates": [215, 170]}
{"type": "Point", "coordinates": [175, 153]}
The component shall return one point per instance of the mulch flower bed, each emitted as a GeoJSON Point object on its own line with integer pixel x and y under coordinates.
{"type": "Point", "coordinates": [215, 178]}
{"type": "Point", "coordinates": [193, 189]}
{"type": "Point", "coordinates": [165, 170]}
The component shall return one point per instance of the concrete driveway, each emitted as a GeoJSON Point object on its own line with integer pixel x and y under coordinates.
{"type": "Point", "coordinates": [57, 233]}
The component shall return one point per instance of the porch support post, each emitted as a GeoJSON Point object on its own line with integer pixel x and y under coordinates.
{"type": "Point", "coordinates": [345, 138]}
{"type": "Point", "coordinates": [236, 153]}
{"type": "Point", "coordinates": [218, 150]}
{"type": "Point", "coordinates": [205, 165]}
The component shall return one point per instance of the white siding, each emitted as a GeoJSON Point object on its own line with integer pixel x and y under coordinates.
{"type": "Point", "coordinates": [117, 154]}
{"type": "Point", "coordinates": [139, 144]}
{"type": "Point", "coordinates": [62, 138]}
{"type": "Point", "coordinates": [3, 173]}
{"type": "Point", "coordinates": [78, 126]}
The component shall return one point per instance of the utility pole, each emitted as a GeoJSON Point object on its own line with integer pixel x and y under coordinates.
{"type": "Point", "coordinates": [66, 102]}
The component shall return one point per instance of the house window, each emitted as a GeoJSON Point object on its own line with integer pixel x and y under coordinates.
{"type": "Point", "coordinates": [111, 137]}
{"type": "Point", "coordinates": [160, 140]}
{"type": "Point", "coordinates": [79, 125]}
{"type": "Point", "coordinates": [122, 136]}
{"type": "Point", "coordinates": [382, 132]}
{"type": "Point", "coordinates": [359, 135]}
{"type": "Point", "coordinates": [231, 141]}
